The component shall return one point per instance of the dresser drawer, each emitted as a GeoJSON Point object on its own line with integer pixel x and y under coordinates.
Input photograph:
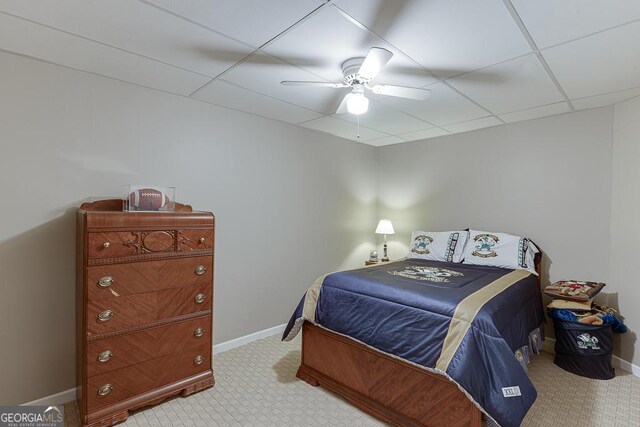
{"type": "Point", "coordinates": [189, 240]}
{"type": "Point", "coordinates": [137, 242]}
{"type": "Point", "coordinates": [117, 280]}
{"type": "Point", "coordinates": [111, 387]}
{"type": "Point", "coordinates": [110, 354]}
{"type": "Point", "coordinates": [112, 244]}
{"type": "Point", "coordinates": [115, 314]}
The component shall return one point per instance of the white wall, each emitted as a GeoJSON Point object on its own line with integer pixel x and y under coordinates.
{"type": "Point", "coordinates": [625, 222]}
{"type": "Point", "coordinates": [548, 179]}
{"type": "Point", "coordinates": [290, 204]}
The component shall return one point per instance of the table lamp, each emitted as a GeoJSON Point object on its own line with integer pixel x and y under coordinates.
{"type": "Point", "coordinates": [385, 227]}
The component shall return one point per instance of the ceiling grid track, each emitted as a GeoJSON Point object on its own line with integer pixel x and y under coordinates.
{"type": "Point", "coordinates": [92, 73]}
{"type": "Point", "coordinates": [267, 96]}
{"type": "Point", "coordinates": [192, 22]}
{"type": "Point", "coordinates": [396, 135]}
{"type": "Point", "coordinates": [604, 30]}
{"type": "Point", "coordinates": [105, 44]}
{"type": "Point", "coordinates": [264, 45]}
{"type": "Point", "coordinates": [516, 17]}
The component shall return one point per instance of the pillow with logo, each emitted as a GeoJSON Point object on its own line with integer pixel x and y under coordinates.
{"type": "Point", "coordinates": [500, 250]}
{"type": "Point", "coordinates": [438, 246]}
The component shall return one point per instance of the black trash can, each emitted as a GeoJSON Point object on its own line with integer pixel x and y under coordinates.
{"type": "Point", "coordinates": [584, 349]}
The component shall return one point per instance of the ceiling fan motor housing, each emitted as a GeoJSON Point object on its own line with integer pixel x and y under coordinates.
{"type": "Point", "coordinates": [350, 69]}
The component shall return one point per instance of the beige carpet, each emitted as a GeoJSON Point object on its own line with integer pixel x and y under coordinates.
{"type": "Point", "coordinates": [256, 386]}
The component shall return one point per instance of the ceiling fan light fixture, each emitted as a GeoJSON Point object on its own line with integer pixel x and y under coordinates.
{"type": "Point", "coordinates": [358, 74]}
{"type": "Point", "coordinates": [357, 104]}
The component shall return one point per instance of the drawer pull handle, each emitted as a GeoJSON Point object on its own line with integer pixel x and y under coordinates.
{"type": "Point", "coordinates": [199, 359]}
{"type": "Point", "coordinates": [105, 315]}
{"type": "Point", "coordinates": [105, 282]}
{"type": "Point", "coordinates": [105, 245]}
{"type": "Point", "coordinates": [198, 332]}
{"type": "Point", "coordinates": [105, 356]}
{"type": "Point", "coordinates": [105, 389]}
{"type": "Point", "coordinates": [202, 240]}
{"type": "Point", "coordinates": [200, 270]}
{"type": "Point", "coordinates": [199, 299]}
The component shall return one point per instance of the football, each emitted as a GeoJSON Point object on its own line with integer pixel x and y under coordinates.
{"type": "Point", "coordinates": [147, 199]}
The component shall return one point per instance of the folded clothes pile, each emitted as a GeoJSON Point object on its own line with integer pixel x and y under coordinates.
{"type": "Point", "coordinates": [573, 301]}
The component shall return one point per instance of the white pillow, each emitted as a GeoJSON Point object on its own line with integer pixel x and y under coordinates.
{"type": "Point", "coordinates": [438, 246]}
{"type": "Point", "coordinates": [500, 250]}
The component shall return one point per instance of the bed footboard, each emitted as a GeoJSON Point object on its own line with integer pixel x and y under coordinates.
{"type": "Point", "coordinates": [385, 387]}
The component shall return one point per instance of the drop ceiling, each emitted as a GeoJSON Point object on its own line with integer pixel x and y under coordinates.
{"type": "Point", "coordinates": [487, 62]}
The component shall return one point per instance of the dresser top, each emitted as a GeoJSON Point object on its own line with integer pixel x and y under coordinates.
{"type": "Point", "coordinates": [108, 214]}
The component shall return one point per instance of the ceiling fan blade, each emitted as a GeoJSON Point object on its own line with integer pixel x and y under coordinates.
{"type": "Point", "coordinates": [373, 63]}
{"type": "Point", "coordinates": [401, 91]}
{"type": "Point", "coordinates": [343, 105]}
{"type": "Point", "coordinates": [314, 84]}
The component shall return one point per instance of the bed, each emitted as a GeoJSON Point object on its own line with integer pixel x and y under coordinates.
{"type": "Point", "coordinates": [418, 342]}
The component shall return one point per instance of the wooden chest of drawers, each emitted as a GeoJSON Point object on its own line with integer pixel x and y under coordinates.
{"type": "Point", "coordinates": [144, 297]}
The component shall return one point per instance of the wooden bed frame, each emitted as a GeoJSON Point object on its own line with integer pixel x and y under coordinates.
{"type": "Point", "coordinates": [383, 386]}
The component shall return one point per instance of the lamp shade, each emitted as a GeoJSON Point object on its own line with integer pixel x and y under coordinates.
{"type": "Point", "coordinates": [385, 227]}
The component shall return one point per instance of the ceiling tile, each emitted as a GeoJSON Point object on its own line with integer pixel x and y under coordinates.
{"type": "Point", "coordinates": [442, 107]}
{"type": "Point", "coordinates": [342, 129]}
{"type": "Point", "coordinates": [551, 21]}
{"type": "Point", "coordinates": [510, 86]}
{"type": "Point", "coordinates": [388, 140]}
{"type": "Point", "coordinates": [537, 112]}
{"type": "Point", "coordinates": [447, 37]}
{"type": "Point", "coordinates": [603, 62]}
{"type": "Point", "coordinates": [253, 22]}
{"type": "Point", "coordinates": [20, 36]}
{"type": "Point", "coordinates": [263, 73]}
{"type": "Point", "coordinates": [484, 122]}
{"type": "Point", "coordinates": [138, 28]}
{"type": "Point", "coordinates": [324, 42]}
{"type": "Point", "coordinates": [228, 95]}
{"type": "Point", "coordinates": [423, 134]}
{"type": "Point", "coordinates": [386, 119]}
{"type": "Point", "coordinates": [605, 99]}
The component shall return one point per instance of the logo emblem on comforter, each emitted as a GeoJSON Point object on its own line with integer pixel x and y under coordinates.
{"type": "Point", "coordinates": [431, 274]}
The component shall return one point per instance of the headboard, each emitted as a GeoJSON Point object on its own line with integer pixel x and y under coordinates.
{"type": "Point", "coordinates": [537, 262]}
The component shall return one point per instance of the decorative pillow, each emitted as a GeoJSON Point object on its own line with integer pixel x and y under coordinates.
{"type": "Point", "coordinates": [500, 250]}
{"type": "Point", "coordinates": [574, 290]}
{"type": "Point", "coordinates": [438, 246]}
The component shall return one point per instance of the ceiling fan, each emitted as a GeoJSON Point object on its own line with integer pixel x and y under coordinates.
{"type": "Point", "coordinates": [358, 74]}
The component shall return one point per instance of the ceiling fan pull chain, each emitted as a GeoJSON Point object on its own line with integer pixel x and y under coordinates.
{"type": "Point", "coordinates": [358, 130]}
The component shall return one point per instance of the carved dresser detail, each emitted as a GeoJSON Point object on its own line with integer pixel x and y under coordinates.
{"type": "Point", "coordinates": [144, 298]}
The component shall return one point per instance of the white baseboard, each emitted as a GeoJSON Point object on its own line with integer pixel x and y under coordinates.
{"type": "Point", "coordinates": [54, 399]}
{"type": "Point", "coordinates": [69, 395]}
{"type": "Point", "coordinates": [549, 343]}
{"type": "Point", "coordinates": [626, 366]}
{"type": "Point", "coordinates": [228, 345]}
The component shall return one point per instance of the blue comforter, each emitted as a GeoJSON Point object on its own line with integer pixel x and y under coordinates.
{"type": "Point", "coordinates": [460, 320]}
